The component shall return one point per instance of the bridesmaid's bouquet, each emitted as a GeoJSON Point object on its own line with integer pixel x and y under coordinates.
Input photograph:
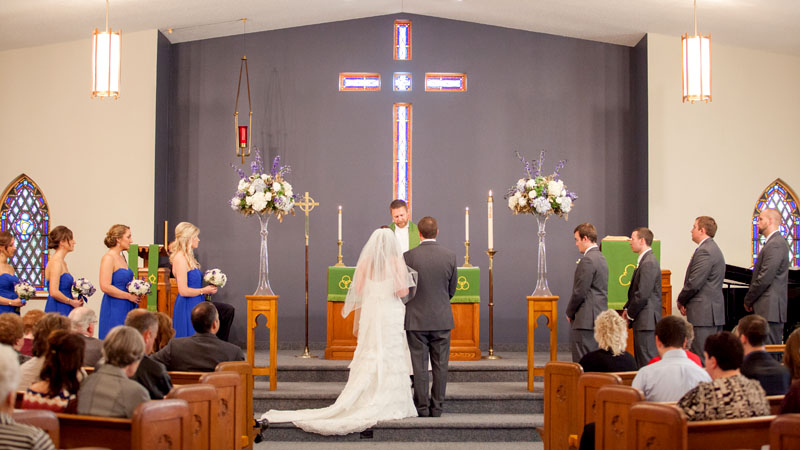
{"type": "Point", "coordinates": [138, 287]}
{"type": "Point", "coordinates": [83, 288]}
{"type": "Point", "coordinates": [25, 291]}
{"type": "Point", "coordinates": [215, 277]}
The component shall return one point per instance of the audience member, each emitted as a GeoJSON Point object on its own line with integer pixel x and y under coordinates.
{"type": "Point", "coordinates": [758, 364]}
{"type": "Point", "coordinates": [689, 339]}
{"type": "Point", "coordinates": [150, 374]}
{"type": "Point", "coordinates": [84, 322]}
{"type": "Point", "coordinates": [29, 372]}
{"type": "Point", "coordinates": [109, 391]}
{"type": "Point", "coordinates": [611, 334]}
{"type": "Point", "coordinates": [791, 354]}
{"type": "Point", "coordinates": [60, 377]}
{"type": "Point", "coordinates": [730, 395]}
{"type": "Point", "coordinates": [203, 351]}
{"type": "Point", "coordinates": [165, 331]}
{"type": "Point", "coordinates": [30, 319]}
{"type": "Point", "coordinates": [16, 435]}
{"type": "Point", "coordinates": [669, 379]}
{"type": "Point", "coordinates": [12, 332]}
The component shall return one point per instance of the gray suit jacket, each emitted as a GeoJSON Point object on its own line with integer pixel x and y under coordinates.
{"type": "Point", "coordinates": [430, 309]}
{"type": "Point", "coordinates": [769, 286]}
{"type": "Point", "coordinates": [93, 351]}
{"type": "Point", "coordinates": [589, 290]}
{"type": "Point", "coordinates": [108, 392]}
{"type": "Point", "coordinates": [702, 287]}
{"type": "Point", "coordinates": [644, 294]}
{"type": "Point", "coordinates": [199, 353]}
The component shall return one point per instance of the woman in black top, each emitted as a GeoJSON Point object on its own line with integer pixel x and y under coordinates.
{"type": "Point", "coordinates": [611, 334]}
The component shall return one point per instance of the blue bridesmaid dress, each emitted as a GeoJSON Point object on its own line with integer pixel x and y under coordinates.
{"type": "Point", "coordinates": [113, 310]}
{"type": "Point", "coordinates": [7, 283]}
{"type": "Point", "coordinates": [182, 311]}
{"type": "Point", "coordinates": [65, 287]}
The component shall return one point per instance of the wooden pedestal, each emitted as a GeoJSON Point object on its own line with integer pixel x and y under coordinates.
{"type": "Point", "coordinates": [266, 305]}
{"type": "Point", "coordinates": [548, 307]}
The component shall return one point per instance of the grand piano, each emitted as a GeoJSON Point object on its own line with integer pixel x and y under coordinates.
{"type": "Point", "coordinates": [734, 288]}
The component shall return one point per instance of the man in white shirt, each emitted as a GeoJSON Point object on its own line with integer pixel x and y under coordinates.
{"type": "Point", "coordinates": [672, 377]}
{"type": "Point", "coordinates": [405, 231]}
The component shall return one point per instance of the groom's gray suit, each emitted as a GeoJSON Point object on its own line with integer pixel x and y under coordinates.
{"type": "Point", "coordinates": [429, 320]}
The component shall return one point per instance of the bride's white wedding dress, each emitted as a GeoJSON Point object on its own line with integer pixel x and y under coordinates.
{"type": "Point", "coordinates": [378, 387]}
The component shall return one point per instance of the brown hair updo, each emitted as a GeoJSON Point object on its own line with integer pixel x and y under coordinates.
{"type": "Point", "coordinates": [5, 239]}
{"type": "Point", "coordinates": [114, 234]}
{"type": "Point", "coordinates": [58, 235]}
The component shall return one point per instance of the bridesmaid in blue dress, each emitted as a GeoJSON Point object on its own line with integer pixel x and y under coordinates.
{"type": "Point", "coordinates": [188, 276]}
{"type": "Point", "coordinates": [114, 278]}
{"type": "Point", "coordinates": [60, 280]}
{"type": "Point", "coordinates": [9, 300]}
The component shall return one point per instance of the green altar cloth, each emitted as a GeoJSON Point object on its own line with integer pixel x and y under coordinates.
{"type": "Point", "coordinates": [621, 263]}
{"type": "Point", "coordinates": [467, 291]}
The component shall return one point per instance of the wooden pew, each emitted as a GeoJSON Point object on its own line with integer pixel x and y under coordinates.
{"type": "Point", "coordinates": [561, 415]}
{"type": "Point", "coordinates": [664, 426]}
{"type": "Point", "coordinates": [203, 404]}
{"type": "Point", "coordinates": [784, 432]}
{"type": "Point", "coordinates": [588, 385]}
{"type": "Point", "coordinates": [230, 410]}
{"type": "Point", "coordinates": [612, 415]}
{"type": "Point", "coordinates": [46, 420]}
{"type": "Point", "coordinates": [626, 377]}
{"type": "Point", "coordinates": [775, 403]}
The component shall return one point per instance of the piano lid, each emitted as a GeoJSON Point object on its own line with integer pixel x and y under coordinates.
{"type": "Point", "coordinates": [742, 276]}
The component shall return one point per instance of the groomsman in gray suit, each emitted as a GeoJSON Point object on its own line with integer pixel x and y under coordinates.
{"type": "Point", "coordinates": [643, 308]}
{"type": "Point", "coordinates": [701, 299]}
{"type": "Point", "coordinates": [429, 317]}
{"type": "Point", "coordinates": [589, 292]}
{"type": "Point", "coordinates": [769, 286]}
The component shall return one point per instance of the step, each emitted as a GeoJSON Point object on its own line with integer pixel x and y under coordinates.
{"type": "Point", "coordinates": [447, 428]}
{"type": "Point", "coordinates": [461, 398]}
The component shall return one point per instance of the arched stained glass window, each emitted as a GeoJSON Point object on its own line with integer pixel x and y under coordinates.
{"type": "Point", "coordinates": [24, 212]}
{"type": "Point", "coordinates": [779, 195]}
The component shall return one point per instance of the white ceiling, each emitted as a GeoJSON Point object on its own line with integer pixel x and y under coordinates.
{"type": "Point", "coordinates": [772, 25]}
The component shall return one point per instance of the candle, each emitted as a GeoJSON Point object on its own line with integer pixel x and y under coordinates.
{"type": "Point", "coordinates": [490, 207]}
{"type": "Point", "coordinates": [466, 224]}
{"type": "Point", "coordinates": [340, 222]}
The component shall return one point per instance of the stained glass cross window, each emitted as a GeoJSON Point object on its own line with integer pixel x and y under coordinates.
{"type": "Point", "coordinates": [778, 195]}
{"type": "Point", "coordinates": [24, 212]}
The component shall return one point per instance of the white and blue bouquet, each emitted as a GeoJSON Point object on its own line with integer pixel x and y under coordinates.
{"type": "Point", "coordinates": [540, 194]}
{"type": "Point", "coordinates": [83, 288]}
{"type": "Point", "coordinates": [264, 193]}
{"type": "Point", "coordinates": [25, 291]}
{"type": "Point", "coordinates": [215, 277]}
{"type": "Point", "coordinates": [138, 287]}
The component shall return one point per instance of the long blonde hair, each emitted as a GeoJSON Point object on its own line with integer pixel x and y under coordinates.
{"type": "Point", "coordinates": [184, 233]}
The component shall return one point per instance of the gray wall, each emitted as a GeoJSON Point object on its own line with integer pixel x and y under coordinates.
{"type": "Point", "coordinates": [527, 92]}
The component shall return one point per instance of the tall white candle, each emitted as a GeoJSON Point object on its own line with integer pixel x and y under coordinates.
{"type": "Point", "coordinates": [466, 224]}
{"type": "Point", "coordinates": [340, 222]}
{"type": "Point", "coordinates": [490, 207]}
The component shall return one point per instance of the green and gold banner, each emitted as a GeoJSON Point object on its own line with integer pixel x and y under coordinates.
{"type": "Point", "coordinates": [621, 264]}
{"type": "Point", "coordinates": [152, 278]}
{"type": "Point", "coordinates": [468, 289]}
{"type": "Point", "coordinates": [133, 259]}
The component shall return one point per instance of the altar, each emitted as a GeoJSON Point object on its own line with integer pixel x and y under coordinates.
{"type": "Point", "coordinates": [464, 339]}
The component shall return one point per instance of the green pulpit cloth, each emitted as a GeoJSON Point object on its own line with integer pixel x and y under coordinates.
{"type": "Point", "coordinates": [621, 264]}
{"type": "Point", "coordinates": [468, 289]}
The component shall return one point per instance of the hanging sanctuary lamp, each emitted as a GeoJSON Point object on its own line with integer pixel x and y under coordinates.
{"type": "Point", "coordinates": [243, 131]}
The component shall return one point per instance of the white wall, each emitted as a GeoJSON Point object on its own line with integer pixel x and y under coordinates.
{"type": "Point", "coordinates": [94, 159]}
{"type": "Point", "coordinates": [716, 158]}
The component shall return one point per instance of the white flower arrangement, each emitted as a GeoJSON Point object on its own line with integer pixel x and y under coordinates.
{"type": "Point", "coordinates": [138, 287]}
{"type": "Point", "coordinates": [264, 193]}
{"type": "Point", "coordinates": [540, 194]}
{"type": "Point", "coordinates": [24, 290]}
{"type": "Point", "coordinates": [83, 288]}
{"type": "Point", "coordinates": [215, 277]}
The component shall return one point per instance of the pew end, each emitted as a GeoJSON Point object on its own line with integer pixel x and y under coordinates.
{"type": "Point", "coordinates": [655, 425]}
{"type": "Point", "coordinates": [203, 405]}
{"type": "Point", "coordinates": [784, 432]}
{"type": "Point", "coordinates": [245, 371]}
{"type": "Point", "coordinates": [230, 411]}
{"type": "Point", "coordinates": [561, 415]}
{"type": "Point", "coordinates": [161, 424]}
{"type": "Point", "coordinates": [612, 415]}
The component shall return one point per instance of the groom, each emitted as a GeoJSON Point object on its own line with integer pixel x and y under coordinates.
{"type": "Point", "coordinates": [429, 318]}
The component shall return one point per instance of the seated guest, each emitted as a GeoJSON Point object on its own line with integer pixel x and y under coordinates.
{"type": "Point", "coordinates": [758, 364]}
{"type": "Point", "coordinates": [11, 333]}
{"type": "Point", "coordinates": [791, 354]}
{"type": "Point", "coordinates": [731, 395]}
{"type": "Point", "coordinates": [687, 346]}
{"type": "Point", "coordinates": [667, 380]}
{"type": "Point", "coordinates": [203, 351]}
{"type": "Point", "coordinates": [16, 435]}
{"type": "Point", "coordinates": [60, 376]}
{"type": "Point", "coordinates": [84, 322]}
{"type": "Point", "coordinates": [611, 334]}
{"type": "Point", "coordinates": [30, 319]}
{"type": "Point", "coordinates": [109, 391]}
{"type": "Point", "coordinates": [29, 372]}
{"type": "Point", "coordinates": [165, 331]}
{"type": "Point", "coordinates": [150, 374]}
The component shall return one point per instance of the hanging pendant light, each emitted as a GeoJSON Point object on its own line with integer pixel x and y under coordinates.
{"type": "Point", "coordinates": [105, 62]}
{"type": "Point", "coordinates": [696, 65]}
{"type": "Point", "coordinates": [242, 134]}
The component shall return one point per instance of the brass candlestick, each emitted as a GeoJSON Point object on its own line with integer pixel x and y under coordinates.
{"type": "Point", "coordinates": [491, 252]}
{"type": "Point", "coordinates": [339, 262]}
{"type": "Point", "coordinates": [466, 255]}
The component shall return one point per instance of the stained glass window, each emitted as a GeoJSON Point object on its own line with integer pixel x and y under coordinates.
{"type": "Point", "coordinates": [401, 173]}
{"type": "Point", "coordinates": [25, 214]}
{"type": "Point", "coordinates": [779, 196]}
{"type": "Point", "coordinates": [402, 81]}
{"type": "Point", "coordinates": [402, 40]}
{"type": "Point", "coordinates": [445, 82]}
{"type": "Point", "coordinates": [359, 81]}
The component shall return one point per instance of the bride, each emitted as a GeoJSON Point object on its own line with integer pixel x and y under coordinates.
{"type": "Point", "coordinates": [378, 387]}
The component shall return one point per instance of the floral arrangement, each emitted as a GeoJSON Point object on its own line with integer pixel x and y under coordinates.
{"type": "Point", "coordinates": [215, 277]}
{"type": "Point", "coordinates": [540, 194]}
{"type": "Point", "coordinates": [83, 288]}
{"type": "Point", "coordinates": [264, 193]}
{"type": "Point", "coordinates": [24, 290]}
{"type": "Point", "coordinates": [138, 287]}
